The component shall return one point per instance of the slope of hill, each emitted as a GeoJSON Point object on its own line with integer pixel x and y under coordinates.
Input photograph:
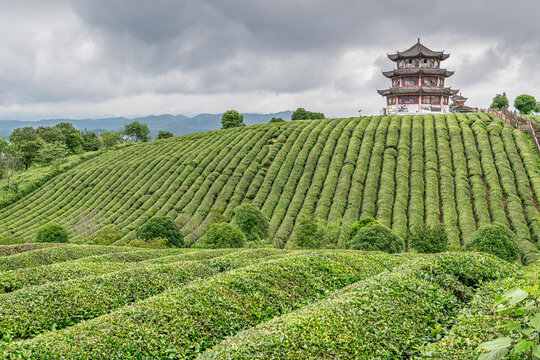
{"type": "Point", "coordinates": [461, 170]}
{"type": "Point", "coordinates": [177, 124]}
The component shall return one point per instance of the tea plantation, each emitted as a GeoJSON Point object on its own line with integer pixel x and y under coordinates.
{"type": "Point", "coordinates": [72, 302]}
{"type": "Point", "coordinates": [463, 171]}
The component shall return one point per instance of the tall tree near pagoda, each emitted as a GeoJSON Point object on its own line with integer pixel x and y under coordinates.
{"type": "Point", "coordinates": [525, 104]}
{"type": "Point", "coordinates": [500, 102]}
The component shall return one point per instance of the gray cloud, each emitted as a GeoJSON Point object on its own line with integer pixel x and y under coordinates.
{"type": "Point", "coordinates": [95, 57]}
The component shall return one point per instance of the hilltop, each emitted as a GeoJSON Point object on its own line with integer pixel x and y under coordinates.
{"type": "Point", "coordinates": [464, 171]}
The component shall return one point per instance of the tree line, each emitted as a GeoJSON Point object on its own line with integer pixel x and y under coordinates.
{"type": "Point", "coordinates": [232, 118]}
{"type": "Point", "coordinates": [43, 145]}
{"type": "Point", "coordinates": [525, 104]}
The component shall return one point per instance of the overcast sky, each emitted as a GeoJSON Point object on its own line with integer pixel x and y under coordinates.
{"type": "Point", "coordinates": [95, 58]}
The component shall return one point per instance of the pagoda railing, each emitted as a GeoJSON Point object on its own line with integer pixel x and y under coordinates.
{"type": "Point", "coordinates": [520, 122]}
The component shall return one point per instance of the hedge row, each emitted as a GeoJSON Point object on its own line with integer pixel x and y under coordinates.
{"type": "Point", "coordinates": [88, 266]}
{"type": "Point", "coordinates": [6, 250]}
{"type": "Point", "coordinates": [55, 254]}
{"type": "Point", "coordinates": [183, 322]}
{"type": "Point", "coordinates": [28, 312]}
{"type": "Point", "coordinates": [384, 317]}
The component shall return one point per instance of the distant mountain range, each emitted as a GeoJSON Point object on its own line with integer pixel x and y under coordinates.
{"type": "Point", "coordinates": [177, 124]}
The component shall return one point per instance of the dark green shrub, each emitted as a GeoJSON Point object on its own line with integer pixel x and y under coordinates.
{"type": "Point", "coordinates": [308, 233]}
{"type": "Point", "coordinates": [276, 120]}
{"type": "Point", "coordinates": [162, 227]}
{"type": "Point", "coordinates": [223, 235]}
{"type": "Point", "coordinates": [52, 233]}
{"type": "Point", "coordinates": [252, 222]}
{"type": "Point", "coordinates": [428, 239]}
{"type": "Point", "coordinates": [359, 225]}
{"type": "Point", "coordinates": [377, 238]}
{"type": "Point", "coordinates": [496, 239]}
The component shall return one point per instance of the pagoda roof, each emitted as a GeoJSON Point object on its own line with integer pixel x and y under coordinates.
{"type": "Point", "coordinates": [459, 98]}
{"type": "Point", "coordinates": [415, 71]}
{"type": "Point", "coordinates": [416, 90]}
{"type": "Point", "coordinates": [418, 51]}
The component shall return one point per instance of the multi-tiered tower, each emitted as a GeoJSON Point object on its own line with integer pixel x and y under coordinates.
{"type": "Point", "coordinates": [417, 82]}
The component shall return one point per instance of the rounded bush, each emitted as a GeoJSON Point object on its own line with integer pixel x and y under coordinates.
{"type": "Point", "coordinates": [223, 235]}
{"type": "Point", "coordinates": [107, 236]}
{"type": "Point", "coordinates": [359, 225]}
{"type": "Point", "coordinates": [429, 239]}
{"type": "Point", "coordinates": [308, 232]}
{"type": "Point", "coordinates": [162, 227]}
{"type": "Point", "coordinates": [377, 238]}
{"type": "Point", "coordinates": [252, 222]}
{"type": "Point", "coordinates": [496, 239]}
{"type": "Point", "coordinates": [52, 233]}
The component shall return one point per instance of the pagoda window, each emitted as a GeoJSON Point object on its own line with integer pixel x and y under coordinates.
{"type": "Point", "coordinates": [445, 100]}
{"type": "Point", "coordinates": [410, 81]}
{"type": "Point", "coordinates": [396, 82]}
{"type": "Point", "coordinates": [429, 81]}
{"type": "Point", "coordinates": [441, 81]}
{"type": "Point", "coordinates": [431, 99]}
{"type": "Point", "coordinates": [412, 99]}
{"type": "Point", "coordinates": [416, 63]}
{"type": "Point", "coordinates": [391, 100]}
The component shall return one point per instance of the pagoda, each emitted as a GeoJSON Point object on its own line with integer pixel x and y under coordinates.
{"type": "Point", "coordinates": [417, 82]}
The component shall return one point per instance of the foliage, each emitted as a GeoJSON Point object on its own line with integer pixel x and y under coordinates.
{"type": "Point", "coordinates": [138, 130]}
{"type": "Point", "coordinates": [496, 239]}
{"type": "Point", "coordinates": [107, 235]}
{"type": "Point", "coordinates": [232, 118]}
{"type": "Point", "coordinates": [303, 114]}
{"type": "Point", "coordinates": [9, 164]}
{"type": "Point", "coordinates": [162, 134]}
{"type": "Point", "coordinates": [91, 141]}
{"type": "Point", "coordinates": [428, 239]}
{"type": "Point", "coordinates": [524, 307]}
{"type": "Point", "coordinates": [112, 138]}
{"type": "Point", "coordinates": [308, 232]}
{"type": "Point", "coordinates": [223, 235]}
{"type": "Point", "coordinates": [27, 142]}
{"type": "Point", "coordinates": [50, 152]}
{"type": "Point", "coordinates": [276, 120]}
{"type": "Point", "coordinates": [377, 238]}
{"type": "Point", "coordinates": [360, 225]}
{"type": "Point", "coordinates": [161, 227]}
{"type": "Point", "coordinates": [500, 101]}
{"type": "Point", "coordinates": [525, 104]}
{"type": "Point", "coordinates": [52, 233]}
{"type": "Point", "coordinates": [156, 243]}
{"type": "Point", "coordinates": [252, 222]}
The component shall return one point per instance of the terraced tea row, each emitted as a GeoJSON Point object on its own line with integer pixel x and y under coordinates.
{"type": "Point", "coordinates": [464, 171]}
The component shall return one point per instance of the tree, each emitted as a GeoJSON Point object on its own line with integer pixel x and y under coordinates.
{"type": "Point", "coordinates": [112, 138]}
{"type": "Point", "coordinates": [525, 104]}
{"type": "Point", "coordinates": [496, 239]}
{"type": "Point", "coordinates": [428, 239]}
{"type": "Point", "coordinates": [309, 233]}
{"type": "Point", "coordinates": [232, 118]}
{"type": "Point", "coordinates": [139, 130]}
{"type": "Point", "coordinates": [252, 222]}
{"type": "Point", "coordinates": [90, 141]}
{"type": "Point", "coordinates": [276, 120]}
{"type": "Point", "coordinates": [360, 225]}
{"type": "Point", "coordinates": [223, 235]}
{"type": "Point", "coordinates": [500, 102]}
{"type": "Point", "coordinates": [27, 142]}
{"type": "Point", "coordinates": [9, 164]}
{"type": "Point", "coordinates": [51, 134]}
{"type": "Point", "coordinates": [52, 233]}
{"type": "Point", "coordinates": [73, 137]}
{"type": "Point", "coordinates": [162, 134]}
{"type": "Point", "coordinates": [377, 238]}
{"type": "Point", "coordinates": [303, 114]}
{"type": "Point", "coordinates": [161, 227]}
{"type": "Point", "coordinates": [50, 152]}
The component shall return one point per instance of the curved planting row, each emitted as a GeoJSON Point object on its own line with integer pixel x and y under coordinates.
{"type": "Point", "coordinates": [384, 317]}
{"type": "Point", "coordinates": [463, 171]}
{"type": "Point", "coordinates": [185, 321]}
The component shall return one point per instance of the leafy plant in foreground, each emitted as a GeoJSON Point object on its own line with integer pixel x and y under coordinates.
{"type": "Point", "coordinates": [524, 307]}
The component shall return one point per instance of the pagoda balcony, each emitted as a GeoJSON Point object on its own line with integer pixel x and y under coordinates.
{"type": "Point", "coordinates": [418, 71]}
{"type": "Point", "coordinates": [418, 90]}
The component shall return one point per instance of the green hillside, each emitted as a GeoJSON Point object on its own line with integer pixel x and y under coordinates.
{"type": "Point", "coordinates": [97, 302]}
{"type": "Point", "coordinates": [462, 170]}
